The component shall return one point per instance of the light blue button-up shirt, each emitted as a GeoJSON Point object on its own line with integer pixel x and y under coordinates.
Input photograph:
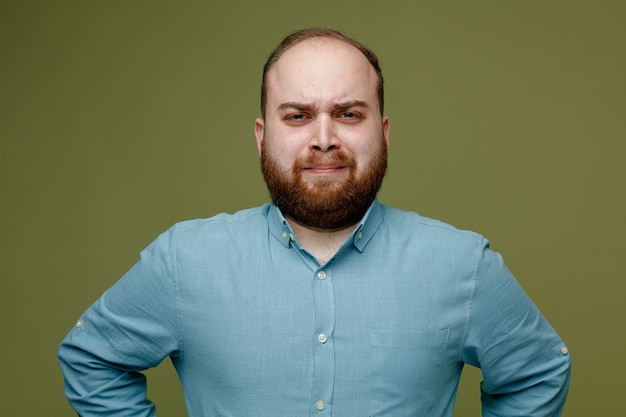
{"type": "Point", "coordinates": [255, 326]}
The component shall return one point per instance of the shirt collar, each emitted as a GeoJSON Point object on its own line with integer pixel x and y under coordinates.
{"type": "Point", "coordinates": [363, 233]}
{"type": "Point", "coordinates": [368, 226]}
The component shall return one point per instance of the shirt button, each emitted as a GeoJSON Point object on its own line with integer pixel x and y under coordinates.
{"type": "Point", "coordinates": [359, 235]}
{"type": "Point", "coordinates": [564, 350]}
{"type": "Point", "coordinates": [285, 235]}
{"type": "Point", "coordinates": [79, 324]}
{"type": "Point", "coordinates": [321, 275]}
{"type": "Point", "coordinates": [320, 405]}
{"type": "Point", "coordinates": [322, 338]}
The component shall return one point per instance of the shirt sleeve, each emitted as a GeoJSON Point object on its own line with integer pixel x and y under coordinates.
{"type": "Point", "coordinates": [132, 327]}
{"type": "Point", "coordinates": [525, 364]}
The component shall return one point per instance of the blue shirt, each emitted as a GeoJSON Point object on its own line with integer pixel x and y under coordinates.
{"type": "Point", "coordinates": [255, 326]}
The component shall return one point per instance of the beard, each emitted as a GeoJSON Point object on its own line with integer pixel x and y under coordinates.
{"type": "Point", "coordinates": [324, 203]}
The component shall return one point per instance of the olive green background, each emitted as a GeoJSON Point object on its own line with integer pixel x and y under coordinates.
{"type": "Point", "coordinates": [120, 118]}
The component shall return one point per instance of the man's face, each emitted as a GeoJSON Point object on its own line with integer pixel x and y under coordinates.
{"type": "Point", "coordinates": [323, 142]}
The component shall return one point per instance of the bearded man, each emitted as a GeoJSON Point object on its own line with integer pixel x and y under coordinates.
{"type": "Point", "coordinates": [324, 302]}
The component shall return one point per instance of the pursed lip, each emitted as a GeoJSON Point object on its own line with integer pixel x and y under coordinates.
{"type": "Point", "coordinates": [324, 169]}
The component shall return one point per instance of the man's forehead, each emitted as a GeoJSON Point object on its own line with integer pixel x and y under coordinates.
{"type": "Point", "coordinates": [321, 48]}
{"type": "Point", "coordinates": [321, 65]}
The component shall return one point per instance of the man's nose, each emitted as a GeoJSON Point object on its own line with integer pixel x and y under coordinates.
{"type": "Point", "coordinates": [324, 136]}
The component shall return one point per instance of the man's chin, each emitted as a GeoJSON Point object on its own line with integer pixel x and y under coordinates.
{"type": "Point", "coordinates": [321, 183]}
{"type": "Point", "coordinates": [324, 194]}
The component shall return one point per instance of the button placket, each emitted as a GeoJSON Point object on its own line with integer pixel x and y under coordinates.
{"type": "Point", "coordinates": [323, 351]}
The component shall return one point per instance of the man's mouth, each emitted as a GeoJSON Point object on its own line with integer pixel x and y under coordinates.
{"type": "Point", "coordinates": [325, 169]}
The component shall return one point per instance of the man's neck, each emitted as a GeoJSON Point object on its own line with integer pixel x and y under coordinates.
{"type": "Point", "coordinates": [322, 244]}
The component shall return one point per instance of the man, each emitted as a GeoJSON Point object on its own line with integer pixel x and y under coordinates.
{"type": "Point", "coordinates": [325, 302]}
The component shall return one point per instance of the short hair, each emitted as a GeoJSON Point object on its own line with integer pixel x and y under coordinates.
{"type": "Point", "coordinates": [301, 35]}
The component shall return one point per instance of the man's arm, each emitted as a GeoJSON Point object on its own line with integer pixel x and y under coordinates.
{"type": "Point", "coordinates": [132, 327]}
{"type": "Point", "coordinates": [525, 364]}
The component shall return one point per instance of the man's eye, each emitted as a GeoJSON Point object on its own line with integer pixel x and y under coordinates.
{"type": "Point", "coordinates": [350, 116]}
{"type": "Point", "coordinates": [296, 118]}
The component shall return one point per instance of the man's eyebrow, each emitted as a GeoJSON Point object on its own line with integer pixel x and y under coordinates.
{"type": "Point", "coordinates": [295, 105]}
{"type": "Point", "coordinates": [350, 104]}
{"type": "Point", "coordinates": [339, 106]}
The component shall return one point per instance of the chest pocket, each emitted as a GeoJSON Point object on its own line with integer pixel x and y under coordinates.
{"type": "Point", "coordinates": [405, 371]}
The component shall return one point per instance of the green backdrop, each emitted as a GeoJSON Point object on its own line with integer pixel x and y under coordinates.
{"type": "Point", "coordinates": [120, 118]}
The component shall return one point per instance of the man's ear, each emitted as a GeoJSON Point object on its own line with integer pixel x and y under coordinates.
{"type": "Point", "coordinates": [386, 129]}
{"type": "Point", "coordinates": [259, 130]}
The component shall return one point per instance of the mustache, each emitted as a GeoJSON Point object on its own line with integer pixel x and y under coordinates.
{"type": "Point", "coordinates": [327, 158]}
